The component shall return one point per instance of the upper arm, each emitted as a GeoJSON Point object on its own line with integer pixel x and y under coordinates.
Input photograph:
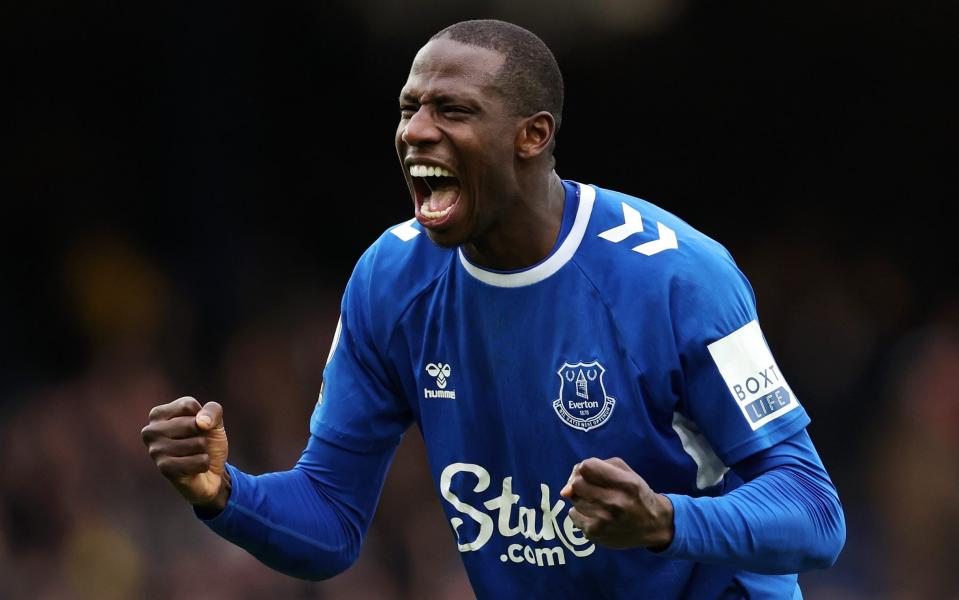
{"type": "Point", "coordinates": [361, 406]}
{"type": "Point", "coordinates": [733, 388]}
{"type": "Point", "coordinates": [796, 451]}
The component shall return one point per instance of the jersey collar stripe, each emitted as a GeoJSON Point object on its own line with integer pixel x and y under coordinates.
{"type": "Point", "coordinates": [553, 263]}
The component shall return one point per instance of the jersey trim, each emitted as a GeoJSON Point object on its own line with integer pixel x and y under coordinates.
{"type": "Point", "coordinates": [710, 469]}
{"type": "Point", "coordinates": [405, 231]}
{"type": "Point", "coordinates": [552, 263]}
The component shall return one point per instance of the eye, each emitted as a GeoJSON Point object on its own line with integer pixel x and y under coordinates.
{"type": "Point", "coordinates": [455, 110]}
{"type": "Point", "coordinates": [407, 111]}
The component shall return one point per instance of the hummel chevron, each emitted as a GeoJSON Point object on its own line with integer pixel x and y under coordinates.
{"type": "Point", "coordinates": [633, 224]}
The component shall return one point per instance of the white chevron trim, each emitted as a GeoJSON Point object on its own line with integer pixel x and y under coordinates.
{"type": "Point", "coordinates": [633, 224]}
{"type": "Point", "coordinates": [405, 231]}
{"type": "Point", "coordinates": [667, 241]}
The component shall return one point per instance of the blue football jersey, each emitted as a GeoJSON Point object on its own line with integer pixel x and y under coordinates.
{"type": "Point", "coordinates": [637, 337]}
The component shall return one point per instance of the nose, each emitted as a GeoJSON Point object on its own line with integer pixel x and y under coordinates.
{"type": "Point", "coordinates": [421, 128]}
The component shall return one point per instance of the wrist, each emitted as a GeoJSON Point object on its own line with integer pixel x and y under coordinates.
{"type": "Point", "coordinates": [665, 529]}
{"type": "Point", "coordinates": [213, 507]}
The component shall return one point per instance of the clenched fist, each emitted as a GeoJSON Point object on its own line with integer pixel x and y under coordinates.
{"type": "Point", "coordinates": [188, 444]}
{"type": "Point", "coordinates": [615, 507]}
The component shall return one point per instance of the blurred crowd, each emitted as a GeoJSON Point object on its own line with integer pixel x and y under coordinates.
{"type": "Point", "coordinates": [84, 514]}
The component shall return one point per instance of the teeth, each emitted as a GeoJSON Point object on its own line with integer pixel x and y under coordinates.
{"type": "Point", "coordinates": [425, 171]}
{"type": "Point", "coordinates": [434, 214]}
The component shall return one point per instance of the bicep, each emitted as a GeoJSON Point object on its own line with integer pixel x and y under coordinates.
{"type": "Point", "coordinates": [796, 451]}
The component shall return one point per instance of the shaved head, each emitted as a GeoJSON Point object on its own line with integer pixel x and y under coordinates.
{"type": "Point", "coordinates": [529, 79]}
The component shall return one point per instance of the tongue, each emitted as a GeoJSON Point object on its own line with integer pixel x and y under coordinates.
{"type": "Point", "coordinates": [441, 199]}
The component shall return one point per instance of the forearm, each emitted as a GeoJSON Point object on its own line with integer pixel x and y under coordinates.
{"type": "Point", "coordinates": [786, 519]}
{"type": "Point", "coordinates": [307, 522]}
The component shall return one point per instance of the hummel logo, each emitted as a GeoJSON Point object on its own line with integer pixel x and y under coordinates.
{"type": "Point", "coordinates": [441, 372]}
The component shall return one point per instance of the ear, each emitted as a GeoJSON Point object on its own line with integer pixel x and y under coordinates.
{"type": "Point", "coordinates": [535, 135]}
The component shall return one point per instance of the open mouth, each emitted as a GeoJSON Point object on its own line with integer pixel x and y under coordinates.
{"type": "Point", "coordinates": [436, 189]}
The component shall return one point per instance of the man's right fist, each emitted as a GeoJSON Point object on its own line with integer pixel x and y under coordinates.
{"type": "Point", "coordinates": [188, 444]}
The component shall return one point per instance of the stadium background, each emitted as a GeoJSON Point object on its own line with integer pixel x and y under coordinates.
{"type": "Point", "coordinates": [187, 185]}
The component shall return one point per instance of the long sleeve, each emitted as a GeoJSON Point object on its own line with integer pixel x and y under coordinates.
{"type": "Point", "coordinates": [307, 522]}
{"type": "Point", "coordinates": [786, 518]}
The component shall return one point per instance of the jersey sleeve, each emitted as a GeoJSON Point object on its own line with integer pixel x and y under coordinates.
{"type": "Point", "coordinates": [308, 522]}
{"type": "Point", "coordinates": [360, 407]}
{"type": "Point", "coordinates": [733, 388]}
{"type": "Point", "coordinates": [786, 518]}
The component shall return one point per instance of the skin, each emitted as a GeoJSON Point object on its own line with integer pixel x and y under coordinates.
{"type": "Point", "coordinates": [188, 444]}
{"type": "Point", "coordinates": [453, 114]}
{"type": "Point", "coordinates": [507, 216]}
{"type": "Point", "coordinates": [615, 507]}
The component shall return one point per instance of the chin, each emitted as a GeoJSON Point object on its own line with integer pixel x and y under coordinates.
{"type": "Point", "coordinates": [444, 239]}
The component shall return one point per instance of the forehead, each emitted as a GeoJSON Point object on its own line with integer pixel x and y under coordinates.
{"type": "Point", "coordinates": [445, 65]}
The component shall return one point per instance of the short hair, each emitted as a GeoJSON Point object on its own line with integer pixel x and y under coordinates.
{"type": "Point", "coordinates": [529, 77]}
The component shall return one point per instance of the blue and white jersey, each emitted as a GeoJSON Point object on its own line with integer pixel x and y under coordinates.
{"type": "Point", "coordinates": [636, 337]}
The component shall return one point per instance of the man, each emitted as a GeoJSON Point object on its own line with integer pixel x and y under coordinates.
{"type": "Point", "coordinates": [602, 415]}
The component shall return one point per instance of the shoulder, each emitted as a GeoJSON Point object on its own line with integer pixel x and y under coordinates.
{"type": "Point", "coordinates": [652, 268]}
{"type": "Point", "coordinates": [398, 267]}
{"type": "Point", "coordinates": [403, 256]}
{"type": "Point", "coordinates": [638, 236]}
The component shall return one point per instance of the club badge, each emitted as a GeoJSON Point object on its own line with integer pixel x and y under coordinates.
{"type": "Point", "coordinates": [583, 403]}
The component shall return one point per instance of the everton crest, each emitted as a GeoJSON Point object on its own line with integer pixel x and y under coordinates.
{"type": "Point", "coordinates": [583, 403]}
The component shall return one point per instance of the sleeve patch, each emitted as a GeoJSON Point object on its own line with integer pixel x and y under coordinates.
{"type": "Point", "coordinates": [752, 376]}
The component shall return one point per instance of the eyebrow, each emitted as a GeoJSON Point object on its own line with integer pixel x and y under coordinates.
{"type": "Point", "coordinates": [441, 98]}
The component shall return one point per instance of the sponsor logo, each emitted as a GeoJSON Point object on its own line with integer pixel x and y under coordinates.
{"type": "Point", "coordinates": [550, 536]}
{"type": "Point", "coordinates": [751, 374]}
{"type": "Point", "coordinates": [583, 403]}
{"type": "Point", "coordinates": [767, 401]}
{"type": "Point", "coordinates": [441, 372]}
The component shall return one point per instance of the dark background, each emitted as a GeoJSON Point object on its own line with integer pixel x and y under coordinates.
{"type": "Point", "coordinates": [186, 187]}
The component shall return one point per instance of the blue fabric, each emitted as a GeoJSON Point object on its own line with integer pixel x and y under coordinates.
{"type": "Point", "coordinates": [786, 518]}
{"type": "Point", "coordinates": [643, 345]}
{"type": "Point", "coordinates": [307, 522]}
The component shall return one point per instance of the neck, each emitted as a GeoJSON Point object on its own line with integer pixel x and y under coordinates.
{"type": "Point", "coordinates": [526, 234]}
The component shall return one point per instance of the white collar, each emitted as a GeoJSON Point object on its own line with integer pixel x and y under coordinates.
{"type": "Point", "coordinates": [553, 263]}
